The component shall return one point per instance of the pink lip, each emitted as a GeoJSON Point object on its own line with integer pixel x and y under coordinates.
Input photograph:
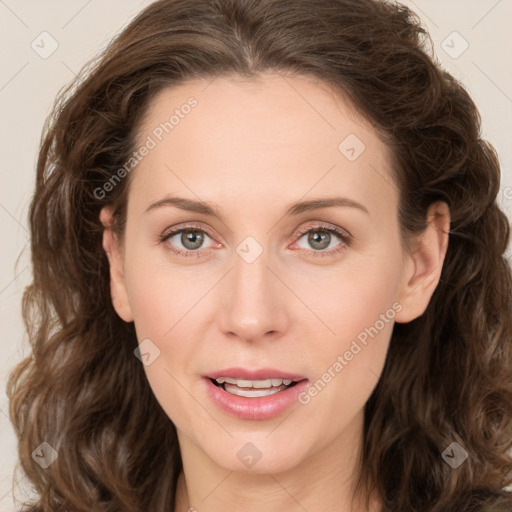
{"type": "Point", "coordinates": [260, 374]}
{"type": "Point", "coordinates": [258, 408]}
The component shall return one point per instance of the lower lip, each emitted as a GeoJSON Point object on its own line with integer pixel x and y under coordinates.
{"type": "Point", "coordinates": [258, 408]}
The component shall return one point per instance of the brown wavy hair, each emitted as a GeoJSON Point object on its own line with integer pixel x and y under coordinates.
{"type": "Point", "coordinates": [448, 374]}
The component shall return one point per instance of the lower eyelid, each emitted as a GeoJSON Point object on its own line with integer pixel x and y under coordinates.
{"type": "Point", "coordinates": [168, 236]}
{"type": "Point", "coordinates": [344, 240]}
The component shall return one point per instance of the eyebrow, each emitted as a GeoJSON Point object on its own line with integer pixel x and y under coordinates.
{"type": "Point", "coordinates": [296, 208]}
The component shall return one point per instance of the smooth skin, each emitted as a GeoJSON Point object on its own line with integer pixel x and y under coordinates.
{"type": "Point", "coordinates": [251, 148]}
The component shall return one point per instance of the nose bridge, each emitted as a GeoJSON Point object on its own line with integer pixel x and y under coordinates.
{"type": "Point", "coordinates": [253, 304]}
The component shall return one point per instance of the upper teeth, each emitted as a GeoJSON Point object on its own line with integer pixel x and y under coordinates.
{"type": "Point", "coordinates": [254, 383]}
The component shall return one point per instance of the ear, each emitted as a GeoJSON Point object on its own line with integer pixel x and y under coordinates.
{"type": "Point", "coordinates": [111, 245]}
{"type": "Point", "coordinates": [423, 264]}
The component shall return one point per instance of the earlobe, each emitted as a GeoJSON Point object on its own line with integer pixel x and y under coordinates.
{"type": "Point", "coordinates": [112, 248]}
{"type": "Point", "coordinates": [424, 264]}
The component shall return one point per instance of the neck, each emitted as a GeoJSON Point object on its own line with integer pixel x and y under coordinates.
{"type": "Point", "coordinates": [323, 481]}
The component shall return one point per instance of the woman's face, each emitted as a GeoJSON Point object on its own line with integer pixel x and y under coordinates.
{"type": "Point", "coordinates": [258, 288]}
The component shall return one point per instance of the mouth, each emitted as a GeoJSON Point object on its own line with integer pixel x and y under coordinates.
{"type": "Point", "coordinates": [254, 394]}
{"type": "Point", "coordinates": [253, 388]}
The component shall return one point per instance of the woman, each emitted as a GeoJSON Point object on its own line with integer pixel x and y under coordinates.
{"type": "Point", "coordinates": [268, 273]}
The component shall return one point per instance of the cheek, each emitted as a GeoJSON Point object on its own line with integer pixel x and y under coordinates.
{"type": "Point", "coordinates": [159, 294]}
{"type": "Point", "coordinates": [160, 307]}
{"type": "Point", "coordinates": [166, 304]}
{"type": "Point", "coordinates": [355, 297]}
{"type": "Point", "coordinates": [357, 311]}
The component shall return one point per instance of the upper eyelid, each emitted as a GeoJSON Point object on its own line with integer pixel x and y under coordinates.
{"type": "Point", "coordinates": [324, 225]}
{"type": "Point", "coordinates": [342, 233]}
{"type": "Point", "coordinates": [319, 225]}
{"type": "Point", "coordinates": [174, 231]}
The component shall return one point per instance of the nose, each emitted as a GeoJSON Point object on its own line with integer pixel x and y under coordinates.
{"type": "Point", "coordinates": [254, 301]}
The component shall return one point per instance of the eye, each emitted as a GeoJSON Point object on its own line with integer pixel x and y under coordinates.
{"type": "Point", "coordinates": [191, 239]}
{"type": "Point", "coordinates": [320, 238]}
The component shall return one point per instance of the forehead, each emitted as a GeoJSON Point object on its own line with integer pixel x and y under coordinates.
{"type": "Point", "coordinates": [269, 96]}
{"type": "Point", "coordinates": [229, 136]}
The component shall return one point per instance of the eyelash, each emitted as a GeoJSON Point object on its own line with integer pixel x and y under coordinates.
{"type": "Point", "coordinates": [346, 240]}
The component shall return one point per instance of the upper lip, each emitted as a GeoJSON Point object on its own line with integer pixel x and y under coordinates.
{"type": "Point", "coordinates": [255, 374]}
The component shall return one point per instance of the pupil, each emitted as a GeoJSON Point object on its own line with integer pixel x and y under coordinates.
{"type": "Point", "coordinates": [193, 237]}
{"type": "Point", "coordinates": [317, 238]}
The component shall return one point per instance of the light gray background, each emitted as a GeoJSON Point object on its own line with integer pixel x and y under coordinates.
{"type": "Point", "coordinates": [29, 84]}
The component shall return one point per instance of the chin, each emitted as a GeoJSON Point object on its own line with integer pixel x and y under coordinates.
{"type": "Point", "coordinates": [258, 453]}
